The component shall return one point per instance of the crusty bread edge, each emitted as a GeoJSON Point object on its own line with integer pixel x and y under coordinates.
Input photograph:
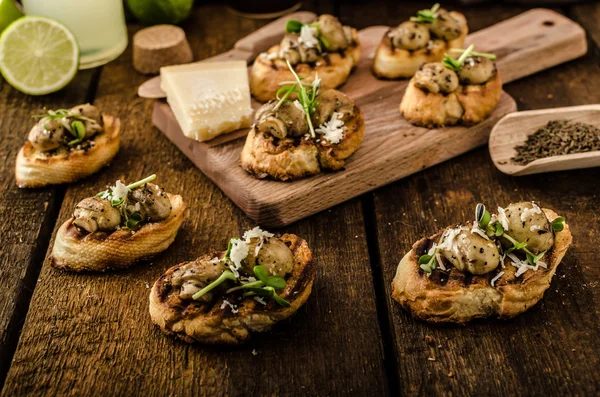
{"type": "Point", "coordinates": [462, 305]}
{"type": "Point", "coordinates": [33, 172]}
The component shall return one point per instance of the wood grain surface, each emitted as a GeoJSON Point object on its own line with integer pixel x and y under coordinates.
{"type": "Point", "coordinates": [525, 44]}
{"type": "Point", "coordinates": [91, 334]}
{"type": "Point", "coordinates": [84, 330]}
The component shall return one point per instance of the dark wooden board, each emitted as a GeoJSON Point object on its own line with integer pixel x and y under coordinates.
{"type": "Point", "coordinates": [392, 147]}
{"type": "Point", "coordinates": [549, 350]}
{"type": "Point", "coordinates": [92, 335]}
{"type": "Point", "coordinates": [26, 215]}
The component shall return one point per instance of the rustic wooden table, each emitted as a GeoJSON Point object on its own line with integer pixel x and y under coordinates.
{"type": "Point", "coordinates": [90, 334]}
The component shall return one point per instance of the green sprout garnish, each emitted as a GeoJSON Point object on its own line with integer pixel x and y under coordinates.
{"type": "Point", "coordinates": [427, 16]}
{"type": "Point", "coordinates": [491, 57]}
{"type": "Point", "coordinates": [75, 128]}
{"type": "Point", "coordinates": [482, 216]}
{"type": "Point", "coordinates": [427, 263]}
{"type": "Point", "coordinates": [306, 96]}
{"type": "Point", "coordinates": [132, 219]}
{"type": "Point", "coordinates": [455, 64]}
{"type": "Point", "coordinates": [226, 275]}
{"type": "Point", "coordinates": [558, 224]}
{"type": "Point", "coordinates": [78, 131]}
{"type": "Point", "coordinates": [295, 26]}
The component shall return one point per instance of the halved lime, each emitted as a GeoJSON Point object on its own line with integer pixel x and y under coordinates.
{"type": "Point", "coordinates": [38, 55]}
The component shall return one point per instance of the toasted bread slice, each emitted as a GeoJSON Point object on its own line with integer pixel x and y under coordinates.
{"type": "Point", "coordinates": [397, 63]}
{"type": "Point", "coordinates": [333, 71]}
{"type": "Point", "coordinates": [290, 158]}
{"type": "Point", "coordinates": [78, 251]}
{"type": "Point", "coordinates": [457, 297]}
{"type": "Point", "coordinates": [37, 169]}
{"type": "Point", "coordinates": [468, 105]}
{"type": "Point", "coordinates": [216, 322]}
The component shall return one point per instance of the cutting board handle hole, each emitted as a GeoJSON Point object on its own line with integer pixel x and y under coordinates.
{"type": "Point", "coordinates": [548, 23]}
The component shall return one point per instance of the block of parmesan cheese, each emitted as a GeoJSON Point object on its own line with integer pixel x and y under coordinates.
{"type": "Point", "coordinates": [208, 98]}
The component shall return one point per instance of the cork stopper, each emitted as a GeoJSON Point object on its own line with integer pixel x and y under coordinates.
{"type": "Point", "coordinates": [159, 46]}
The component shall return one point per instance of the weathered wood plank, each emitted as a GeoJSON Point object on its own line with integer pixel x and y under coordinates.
{"type": "Point", "coordinates": [92, 335]}
{"type": "Point", "coordinates": [549, 350]}
{"type": "Point", "coordinates": [26, 216]}
{"type": "Point", "coordinates": [588, 16]}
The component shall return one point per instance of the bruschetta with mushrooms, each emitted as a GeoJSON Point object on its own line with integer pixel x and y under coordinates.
{"type": "Point", "coordinates": [456, 91]}
{"type": "Point", "coordinates": [495, 266]}
{"type": "Point", "coordinates": [423, 39]}
{"type": "Point", "coordinates": [66, 145]}
{"type": "Point", "coordinates": [324, 47]}
{"type": "Point", "coordinates": [118, 227]}
{"type": "Point", "coordinates": [224, 297]}
{"type": "Point", "coordinates": [291, 139]}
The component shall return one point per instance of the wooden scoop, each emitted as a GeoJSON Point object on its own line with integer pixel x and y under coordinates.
{"type": "Point", "coordinates": [512, 130]}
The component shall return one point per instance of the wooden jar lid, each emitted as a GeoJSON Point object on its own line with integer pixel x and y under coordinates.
{"type": "Point", "coordinates": [159, 46]}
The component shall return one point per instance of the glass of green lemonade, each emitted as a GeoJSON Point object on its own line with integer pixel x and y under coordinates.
{"type": "Point", "coordinates": [99, 26]}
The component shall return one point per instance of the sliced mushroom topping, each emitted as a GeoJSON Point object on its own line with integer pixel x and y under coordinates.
{"type": "Point", "coordinates": [150, 201]}
{"type": "Point", "coordinates": [528, 223]}
{"type": "Point", "coordinates": [435, 78]}
{"type": "Point", "coordinates": [94, 213]}
{"type": "Point", "coordinates": [445, 26]}
{"type": "Point", "coordinates": [274, 255]}
{"type": "Point", "coordinates": [477, 70]}
{"type": "Point", "coordinates": [470, 252]}
{"type": "Point", "coordinates": [410, 36]}
{"type": "Point", "coordinates": [289, 50]}
{"type": "Point", "coordinates": [332, 30]}
{"type": "Point", "coordinates": [330, 101]}
{"type": "Point", "coordinates": [287, 120]}
{"type": "Point", "coordinates": [194, 276]}
{"type": "Point", "coordinates": [47, 135]}
{"type": "Point", "coordinates": [309, 55]}
{"type": "Point", "coordinates": [95, 124]}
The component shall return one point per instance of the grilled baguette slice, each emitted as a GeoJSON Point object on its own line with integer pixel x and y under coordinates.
{"type": "Point", "coordinates": [460, 297]}
{"type": "Point", "coordinates": [288, 159]}
{"type": "Point", "coordinates": [397, 63]}
{"type": "Point", "coordinates": [333, 71]}
{"type": "Point", "coordinates": [101, 251]}
{"type": "Point", "coordinates": [215, 322]}
{"type": "Point", "coordinates": [37, 169]}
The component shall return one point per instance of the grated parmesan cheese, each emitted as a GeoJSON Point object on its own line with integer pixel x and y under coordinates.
{"type": "Point", "coordinates": [332, 130]}
{"type": "Point", "coordinates": [258, 233]}
{"type": "Point", "coordinates": [438, 259]}
{"type": "Point", "coordinates": [496, 278]}
{"type": "Point", "coordinates": [535, 227]}
{"type": "Point", "coordinates": [477, 230]}
{"type": "Point", "coordinates": [308, 36]}
{"type": "Point", "coordinates": [527, 212]}
{"type": "Point", "coordinates": [503, 218]}
{"type": "Point", "coordinates": [119, 191]}
{"type": "Point", "coordinates": [226, 303]}
{"type": "Point", "coordinates": [239, 252]}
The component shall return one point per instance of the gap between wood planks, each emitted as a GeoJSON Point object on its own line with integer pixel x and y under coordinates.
{"type": "Point", "coordinates": [37, 260]}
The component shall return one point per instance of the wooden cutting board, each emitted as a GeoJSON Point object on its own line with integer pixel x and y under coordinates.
{"type": "Point", "coordinates": [392, 148]}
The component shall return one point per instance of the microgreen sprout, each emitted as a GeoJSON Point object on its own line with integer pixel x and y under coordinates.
{"type": "Point", "coordinates": [226, 275]}
{"type": "Point", "coordinates": [455, 64]}
{"type": "Point", "coordinates": [427, 263]}
{"type": "Point", "coordinates": [62, 116]}
{"type": "Point", "coordinates": [558, 224]}
{"type": "Point", "coordinates": [427, 15]}
{"type": "Point", "coordinates": [491, 57]}
{"type": "Point", "coordinates": [307, 95]}
{"type": "Point", "coordinates": [78, 131]}
{"type": "Point", "coordinates": [482, 216]}
{"type": "Point", "coordinates": [295, 26]}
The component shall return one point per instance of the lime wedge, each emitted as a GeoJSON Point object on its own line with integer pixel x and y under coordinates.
{"type": "Point", "coordinates": [38, 55]}
{"type": "Point", "coordinates": [9, 12]}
